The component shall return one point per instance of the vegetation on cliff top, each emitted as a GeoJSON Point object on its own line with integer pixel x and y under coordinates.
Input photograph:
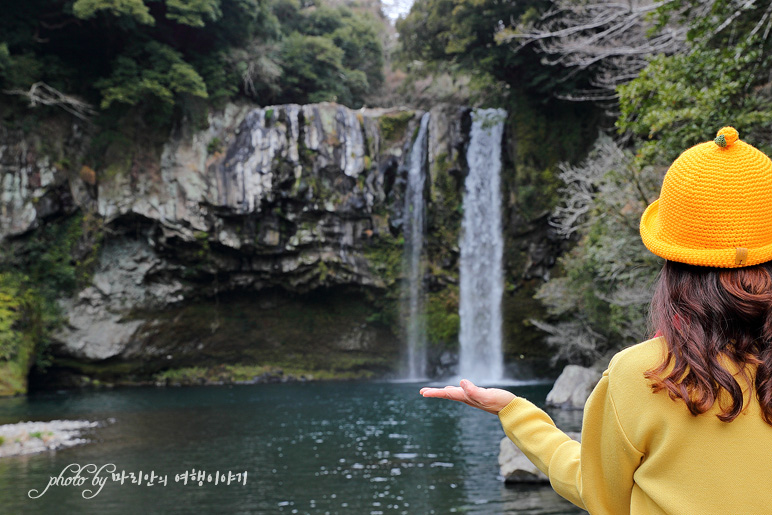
{"type": "Point", "coordinates": [166, 58]}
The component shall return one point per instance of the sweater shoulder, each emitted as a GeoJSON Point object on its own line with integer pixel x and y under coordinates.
{"type": "Point", "coordinates": [639, 410]}
{"type": "Point", "coordinates": [638, 358]}
{"type": "Point", "coordinates": [626, 370]}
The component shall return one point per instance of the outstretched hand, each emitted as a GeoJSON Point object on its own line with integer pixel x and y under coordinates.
{"type": "Point", "coordinates": [491, 400]}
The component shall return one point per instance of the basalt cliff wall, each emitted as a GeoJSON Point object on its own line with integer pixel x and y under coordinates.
{"type": "Point", "coordinates": [267, 244]}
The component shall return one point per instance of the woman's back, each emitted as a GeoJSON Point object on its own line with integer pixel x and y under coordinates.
{"type": "Point", "coordinates": [643, 453]}
{"type": "Point", "coordinates": [690, 464]}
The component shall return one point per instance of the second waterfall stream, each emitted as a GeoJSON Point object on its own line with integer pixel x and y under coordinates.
{"type": "Point", "coordinates": [413, 260]}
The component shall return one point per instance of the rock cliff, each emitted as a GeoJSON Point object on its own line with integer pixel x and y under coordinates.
{"type": "Point", "coordinates": [271, 236]}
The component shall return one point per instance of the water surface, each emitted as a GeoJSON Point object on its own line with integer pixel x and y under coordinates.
{"type": "Point", "coordinates": [360, 448]}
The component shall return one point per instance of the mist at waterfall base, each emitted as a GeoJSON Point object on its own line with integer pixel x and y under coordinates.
{"type": "Point", "coordinates": [308, 448]}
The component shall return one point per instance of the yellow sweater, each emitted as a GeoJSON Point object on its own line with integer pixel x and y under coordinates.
{"type": "Point", "coordinates": [643, 453]}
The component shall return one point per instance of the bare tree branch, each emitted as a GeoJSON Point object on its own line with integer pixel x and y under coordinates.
{"type": "Point", "coordinates": [575, 341]}
{"type": "Point", "coordinates": [732, 17]}
{"type": "Point", "coordinates": [582, 183]}
{"type": "Point", "coordinates": [614, 40]}
{"type": "Point", "coordinates": [611, 39]}
{"type": "Point", "coordinates": [41, 93]}
{"type": "Point", "coordinates": [257, 66]}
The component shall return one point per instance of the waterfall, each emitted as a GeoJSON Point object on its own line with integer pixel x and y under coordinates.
{"type": "Point", "coordinates": [413, 262]}
{"type": "Point", "coordinates": [482, 245]}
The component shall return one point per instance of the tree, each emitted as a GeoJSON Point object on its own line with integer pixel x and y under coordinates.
{"type": "Point", "coordinates": [312, 68]}
{"type": "Point", "coordinates": [333, 54]}
{"type": "Point", "coordinates": [162, 75]}
{"type": "Point", "coordinates": [157, 56]}
{"type": "Point", "coordinates": [722, 79]}
{"type": "Point", "coordinates": [135, 9]}
{"type": "Point", "coordinates": [600, 303]}
{"type": "Point", "coordinates": [608, 41]}
{"type": "Point", "coordinates": [509, 46]}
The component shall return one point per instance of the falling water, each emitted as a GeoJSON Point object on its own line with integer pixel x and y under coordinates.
{"type": "Point", "coordinates": [414, 242]}
{"type": "Point", "coordinates": [482, 247]}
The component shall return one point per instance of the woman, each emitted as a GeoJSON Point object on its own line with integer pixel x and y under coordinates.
{"type": "Point", "coordinates": [681, 423]}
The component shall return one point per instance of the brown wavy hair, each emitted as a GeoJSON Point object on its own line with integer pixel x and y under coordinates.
{"type": "Point", "coordinates": [705, 313]}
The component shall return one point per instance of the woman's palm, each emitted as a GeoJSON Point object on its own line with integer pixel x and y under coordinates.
{"type": "Point", "coordinates": [491, 400]}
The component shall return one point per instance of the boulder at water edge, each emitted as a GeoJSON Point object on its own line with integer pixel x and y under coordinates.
{"type": "Point", "coordinates": [573, 387]}
{"type": "Point", "coordinates": [516, 468]}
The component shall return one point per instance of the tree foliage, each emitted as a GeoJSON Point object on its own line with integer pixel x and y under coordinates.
{"type": "Point", "coordinates": [330, 55]}
{"type": "Point", "coordinates": [719, 78]}
{"type": "Point", "coordinates": [722, 78]}
{"type": "Point", "coordinates": [681, 100]}
{"type": "Point", "coordinates": [548, 48]}
{"type": "Point", "coordinates": [152, 71]}
{"type": "Point", "coordinates": [600, 302]}
{"type": "Point", "coordinates": [10, 305]}
{"type": "Point", "coordinates": [605, 41]}
{"type": "Point", "coordinates": [159, 54]}
{"type": "Point", "coordinates": [194, 13]}
{"type": "Point", "coordinates": [459, 35]}
{"type": "Point", "coordinates": [136, 9]}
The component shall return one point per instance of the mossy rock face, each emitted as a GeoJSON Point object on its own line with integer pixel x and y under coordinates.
{"type": "Point", "coordinates": [524, 343]}
{"type": "Point", "coordinates": [393, 125]}
{"type": "Point", "coordinates": [385, 256]}
{"type": "Point", "coordinates": [13, 372]}
{"type": "Point", "coordinates": [251, 374]}
{"type": "Point", "coordinates": [442, 318]}
{"type": "Point", "coordinates": [18, 337]}
{"type": "Point", "coordinates": [36, 270]}
{"type": "Point", "coordinates": [444, 218]}
{"type": "Point", "coordinates": [326, 334]}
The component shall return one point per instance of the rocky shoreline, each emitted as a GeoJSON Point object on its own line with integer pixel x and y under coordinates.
{"type": "Point", "coordinates": [35, 437]}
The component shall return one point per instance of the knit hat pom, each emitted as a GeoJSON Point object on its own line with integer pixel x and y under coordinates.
{"type": "Point", "coordinates": [726, 137]}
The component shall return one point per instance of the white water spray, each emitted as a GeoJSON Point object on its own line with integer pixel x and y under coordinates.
{"type": "Point", "coordinates": [413, 260]}
{"type": "Point", "coordinates": [482, 247]}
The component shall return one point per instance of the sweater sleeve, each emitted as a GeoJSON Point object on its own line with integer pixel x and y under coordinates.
{"type": "Point", "coordinates": [596, 474]}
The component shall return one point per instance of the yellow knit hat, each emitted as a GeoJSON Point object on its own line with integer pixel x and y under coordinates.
{"type": "Point", "coordinates": [715, 207]}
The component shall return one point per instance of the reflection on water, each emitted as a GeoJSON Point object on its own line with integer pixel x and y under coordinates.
{"type": "Point", "coordinates": [308, 448]}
